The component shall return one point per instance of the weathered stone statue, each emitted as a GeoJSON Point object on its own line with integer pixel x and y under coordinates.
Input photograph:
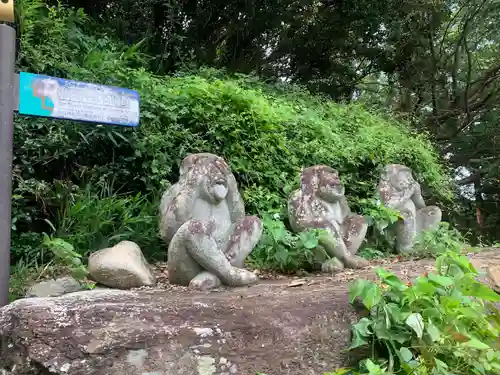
{"type": "Point", "coordinates": [398, 190]}
{"type": "Point", "coordinates": [320, 203]}
{"type": "Point", "coordinates": [202, 218]}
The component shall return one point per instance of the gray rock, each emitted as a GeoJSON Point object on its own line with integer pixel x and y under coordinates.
{"type": "Point", "coordinates": [494, 275]}
{"type": "Point", "coordinates": [122, 266]}
{"type": "Point", "coordinates": [268, 328]}
{"type": "Point", "coordinates": [54, 288]}
{"type": "Point", "coordinates": [116, 332]}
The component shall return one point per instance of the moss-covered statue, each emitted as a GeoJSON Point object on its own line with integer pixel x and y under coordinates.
{"type": "Point", "coordinates": [320, 203]}
{"type": "Point", "coordinates": [202, 218]}
{"type": "Point", "coordinates": [398, 190]}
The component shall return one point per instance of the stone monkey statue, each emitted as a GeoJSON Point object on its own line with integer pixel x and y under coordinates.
{"type": "Point", "coordinates": [320, 203]}
{"type": "Point", "coordinates": [202, 218]}
{"type": "Point", "coordinates": [398, 190]}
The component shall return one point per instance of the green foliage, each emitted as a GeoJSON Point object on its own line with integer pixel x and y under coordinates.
{"type": "Point", "coordinates": [92, 221]}
{"type": "Point", "coordinates": [377, 215]}
{"type": "Point", "coordinates": [284, 251]}
{"type": "Point", "coordinates": [66, 255]}
{"type": "Point", "coordinates": [379, 239]}
{"type": "Point", "coordinates": [433, 243]}
{"type": "Point", "coordinates": [267, 133]}
{"type": "Point", "coordinates": [379, 219]}
{"type": "Point", "coordinates": [445, 323]}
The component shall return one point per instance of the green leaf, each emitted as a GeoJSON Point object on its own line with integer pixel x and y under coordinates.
{"type": "Point", "coordinates": [381, 332]}
{"type": "Point", "coordinates": [482, 291]}
{"type": "Point", "coordinates": [416, 322]}
{"type": "Point", "coordinates": [373, 369]}
{"type": "Point", "coordinates": [79, 273]}
{"type": "Point", "coordinates": [441, 366]}
{"type": "Point", "coordinates": [406, 354]}
{"type": "Point", "coordinates": [423, 287]}
{"type": "Point", "coordinates": [76, 262]}
{"type": "Point", "coordinates": [433, 331]}
{"type": "Point", "coordinates": [281, 255]}
{"type": "Point", "coordinates": [363, 327]}
{"type": "Point", "coordinates": [356, 289]}
{"type": "Point", "coordinates": [309, 240]}
{"type": "Point", "coordinates": [444, 281]}
{"type": "Point", "coordinates": [371, 296]}
{"type": "Point", "coordinates": [475, 344]}
{"type": "Point", "coordinates": [357, 340]}
{"type": "Point", "coordinates": [391, 279]}
{"type": "Point", "coordinates": [393, 311]}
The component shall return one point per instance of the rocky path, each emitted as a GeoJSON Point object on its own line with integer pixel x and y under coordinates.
{"type": "Point", "coordinates": [294, 326]}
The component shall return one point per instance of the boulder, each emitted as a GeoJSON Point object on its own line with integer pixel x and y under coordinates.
{"type": "Point", "coordinates": [54, 288]}
{"type": "Point", "coordinates": [275, 327]}
{"type": "Point", "coordinates": [122, 266]}
{"type": "Point", "coordinates": [494, 274]}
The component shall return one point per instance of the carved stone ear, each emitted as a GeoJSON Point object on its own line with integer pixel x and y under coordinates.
{"type": "Point", "coordinates": [307, 180]}
{"type": "Point", "coordinates": [187, 163]}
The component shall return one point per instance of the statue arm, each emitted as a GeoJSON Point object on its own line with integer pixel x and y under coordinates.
{"type": "Point", "coordinates": [168, 197]}
{"type": "Point", "coordinates": [234, 200]}
{"type": "Point", "coordinates": [417, 198]}
{"type": "Point", "coordinates": [344, 207]}
{"type": "Point", "coordinates": [168, 224]}
{"type": "Point", "coordinates": [397, 199]}
{"type": "Point", "coordinates": [175, 210]}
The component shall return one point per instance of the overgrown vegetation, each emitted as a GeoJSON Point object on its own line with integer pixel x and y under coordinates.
{"type": "Point", "coordinates": [97, 185]}
{"type": "Point", "coordinates": [433, 64]}
{"type": "Point", "coordinates": [445, 323]}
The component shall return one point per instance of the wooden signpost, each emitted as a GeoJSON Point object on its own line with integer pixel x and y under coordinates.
{"type": "Point", "coordinates": [40, 95]}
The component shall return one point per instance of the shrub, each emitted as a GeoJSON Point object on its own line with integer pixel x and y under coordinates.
{"type": "Point", "coordinates": [266, 133]}
{"type": "Point", "coordinates": [95, 221]}
{"type": "Point", "coordinates": [444, 323]}
{"type": "Point", "coordinates": [284, 251]}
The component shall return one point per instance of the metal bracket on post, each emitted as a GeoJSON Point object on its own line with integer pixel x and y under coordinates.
{"type": "Point", "coordinates": [7, 10]}
{"type": "Point", "coordinates": [7, 102]}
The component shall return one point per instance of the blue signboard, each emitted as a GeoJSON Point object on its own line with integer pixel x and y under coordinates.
{"type": "Point", "coordinates": [46, 96]}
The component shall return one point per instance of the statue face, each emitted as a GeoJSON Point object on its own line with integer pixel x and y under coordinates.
{"type": "Point", "coordinates": [330, 187]}
{"type": "Point", "coordinates": [217, 187]}
{"type": "Point", "coordinates": [210, 173]}
{"type": "Point", "coordinates": [402, 180]}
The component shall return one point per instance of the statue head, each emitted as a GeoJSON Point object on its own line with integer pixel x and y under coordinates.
{"type": "Point", "coordinates": [322, 181]}
{"type": "Point", "coordinates": [397, 176]}
{"type": "Point", "coordinates": [208, 173]}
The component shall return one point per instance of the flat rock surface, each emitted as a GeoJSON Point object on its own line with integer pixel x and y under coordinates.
{"type": "Point", "coordinates": [290, 326]}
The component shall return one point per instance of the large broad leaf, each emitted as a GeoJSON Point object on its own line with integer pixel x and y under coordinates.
{"type": "Point", "coordinates": [433, 331]}
{"type": "Point", "coordinates": [382, 332]}
{"type": "Point", "coordinates": [363, 327]}
{"type": "Point", "coordinates": [373, 369]}
{"type": "Point", "coordinates": [371, 296]}
{"type": "Point", "coordinates": [309, 240]}
{"type": "Point", "coordinates": [405, 354]}
{"type": "Point", "coordinates": [391, 279]}
{"type": "Point", "coordinates": [444, 281]}
{"type": "Point", "coordinates": [416, 322]}
{"type": "Point", "coordinates": [356, 289]}
{"type": "Point", "coordinates": [357, 340]}
{"type": "Point", "coordinates": [482, 291]}
{"type": "Point", "coordinates": [475, 344]}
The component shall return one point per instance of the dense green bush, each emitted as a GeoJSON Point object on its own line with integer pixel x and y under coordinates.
{"type": "Point", "coordinates": [267, 134]}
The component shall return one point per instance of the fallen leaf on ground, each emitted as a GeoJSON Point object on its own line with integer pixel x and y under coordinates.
{"type": "Point", "coordinates": [297, 283]}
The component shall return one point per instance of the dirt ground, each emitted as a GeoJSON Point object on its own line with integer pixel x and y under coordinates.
{"type": "Point", "coordinates": [406, 269]}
